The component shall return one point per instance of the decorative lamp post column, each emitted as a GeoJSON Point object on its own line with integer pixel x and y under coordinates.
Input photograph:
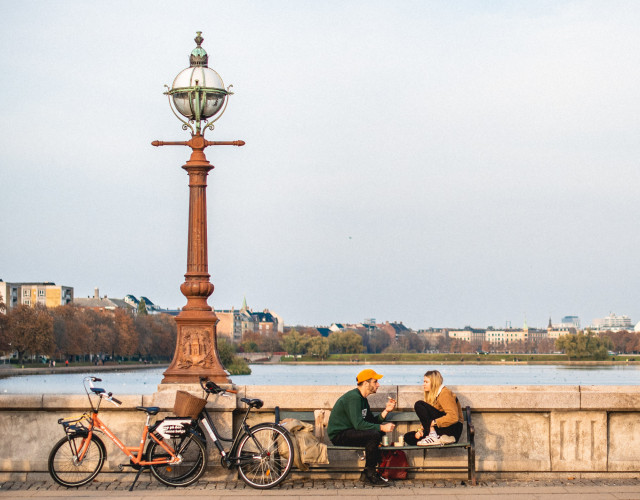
{"type": "Point", "coordinates": [198, 95]}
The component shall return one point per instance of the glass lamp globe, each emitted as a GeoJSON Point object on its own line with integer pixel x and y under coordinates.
{"type": "Point", "coordinates": [198, 86]}
{"type": "Point", "coordinates": [198, 91]}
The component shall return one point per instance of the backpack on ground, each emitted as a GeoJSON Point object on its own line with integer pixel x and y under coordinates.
{"type": "Point", "coordinates": [393, 459]}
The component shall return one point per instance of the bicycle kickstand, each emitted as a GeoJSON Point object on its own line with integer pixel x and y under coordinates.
{"type": "Point", "coordinates": [135, 480]}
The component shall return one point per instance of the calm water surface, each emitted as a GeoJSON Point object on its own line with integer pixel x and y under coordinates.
{"type": "Point", "coordinates": [146, 381]}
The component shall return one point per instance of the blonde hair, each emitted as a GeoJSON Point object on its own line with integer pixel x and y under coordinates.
{"type": "Point", "coordinates": [435, 377]}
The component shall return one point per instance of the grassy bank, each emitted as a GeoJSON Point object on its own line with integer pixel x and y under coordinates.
{"type": "Point", "coordinates": [418, 358]}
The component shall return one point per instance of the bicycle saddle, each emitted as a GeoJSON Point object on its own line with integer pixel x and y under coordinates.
{"type": "Point", "coordinates": [151, 410]}
{"type": "Point", "coordinates": [253, 403]}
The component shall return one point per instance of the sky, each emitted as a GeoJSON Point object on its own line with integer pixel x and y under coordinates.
{"type": "Point", "coordinates": [440, 163]}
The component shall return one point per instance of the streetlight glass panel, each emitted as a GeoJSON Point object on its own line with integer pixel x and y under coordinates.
{"type": "Point", "coordinates": [211, 92]}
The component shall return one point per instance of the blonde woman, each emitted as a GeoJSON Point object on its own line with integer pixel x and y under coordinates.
{"type": "Point", "coordinates": [440, 414]}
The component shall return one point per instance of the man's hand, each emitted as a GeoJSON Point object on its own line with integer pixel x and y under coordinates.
{"type": "Point", "coordinates": [391, 404]}
{"type": "Point", "coordinates": [388, 427]}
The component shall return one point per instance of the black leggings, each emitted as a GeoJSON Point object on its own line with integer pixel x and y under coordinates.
{"type": "Point", "coordinates": [427, 414]}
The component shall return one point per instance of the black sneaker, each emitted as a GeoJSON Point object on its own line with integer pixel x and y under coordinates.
{"type": "Point", "coordinates": [373, 480]}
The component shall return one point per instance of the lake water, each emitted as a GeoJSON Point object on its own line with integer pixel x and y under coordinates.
{"type": "Point", "coordinates": [146, 381]}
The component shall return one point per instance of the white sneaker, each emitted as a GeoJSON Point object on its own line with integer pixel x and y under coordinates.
{"type": "Point", "coordinates": [444, 439]}
{"type": "Point", "coordinates": [430, 441]}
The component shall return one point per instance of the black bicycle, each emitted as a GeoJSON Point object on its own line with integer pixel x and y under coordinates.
{"type": "Point", "coordinates": [263, 453]}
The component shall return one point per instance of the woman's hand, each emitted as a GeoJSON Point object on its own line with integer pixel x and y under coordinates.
{"type": "Point", "coordinates": [419, 433]}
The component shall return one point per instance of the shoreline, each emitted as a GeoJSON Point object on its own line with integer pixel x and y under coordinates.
{"type": "Point", "coordinates": [14, 371]}
{"type": "Point", "coordinates": [438, 362]}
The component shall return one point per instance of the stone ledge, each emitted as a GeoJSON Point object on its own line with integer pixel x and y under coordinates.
{"type": "Point", "coordinates": [618, 398]}
{"type": "Point", "coordinates": [480, 398]}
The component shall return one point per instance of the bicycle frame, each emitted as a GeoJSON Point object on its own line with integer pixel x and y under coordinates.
{"type": "Point", "coordinates": [135, 453]}
{"type": "Point", "coordinates": [206, 422]}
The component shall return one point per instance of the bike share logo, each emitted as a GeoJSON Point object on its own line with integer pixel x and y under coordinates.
{"type": "Point", "coordinates": [169, 428]}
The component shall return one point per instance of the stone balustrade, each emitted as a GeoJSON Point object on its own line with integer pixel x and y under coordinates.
{"type": "Point", "coordinates": [528, 430]}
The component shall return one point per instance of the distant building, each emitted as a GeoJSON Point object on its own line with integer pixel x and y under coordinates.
{"type": "Point", "coordinates": [234, 324]}
{"type": "Point", "coordinates": [570, 322]}
{"type": "Point", "coordinates": [394, 330]}
{"type": "Point", "coordinates": [229, 324]}
{"type": "Point", "coordinates": [514, 335]}
{"type": "Point", "coordinates": [473, 335]}
{"type": "Point", "coordinates": [433, 336]}
{"type": "Point", "coordinates": [613, 323]}
{"type": "Point", "coordinates": [103, 303]}
{"type": "Point", "coordinates": [325, 332]}
{"type": "Point", "coordinates": [128, 303]}
{"type": "Point", "coordinates": [555, 330]}
{"type": "Point", "coordinates": [29, 294]}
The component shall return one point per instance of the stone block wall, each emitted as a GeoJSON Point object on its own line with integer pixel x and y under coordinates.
{"type": "Point", "coordinates": [530, 430]}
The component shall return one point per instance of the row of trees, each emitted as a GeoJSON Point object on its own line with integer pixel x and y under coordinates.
{"type": "Point", "coordinates": [69, 332]}
{"type": "Point", "coordinates": [308, 341]}
{"type": "Point", "coordinates": [303, 340]}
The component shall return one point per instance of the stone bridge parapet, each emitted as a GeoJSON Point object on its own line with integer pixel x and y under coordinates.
{"type": "Point", "coordinates": [527, 430]}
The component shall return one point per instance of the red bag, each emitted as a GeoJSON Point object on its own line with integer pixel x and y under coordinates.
{"type": "Point", "coordinates": [393, 459]}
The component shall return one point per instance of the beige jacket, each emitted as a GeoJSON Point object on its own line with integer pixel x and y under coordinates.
{"type": "Point", "coordinates": [448, 403]}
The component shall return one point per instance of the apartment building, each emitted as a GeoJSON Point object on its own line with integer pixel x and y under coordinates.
{"type": "Point", "coordinates": [613, 323]}
{"type": "Point", "coordinates": [234, 324]}
{"type": "Point", "coordinates": [29, 294]}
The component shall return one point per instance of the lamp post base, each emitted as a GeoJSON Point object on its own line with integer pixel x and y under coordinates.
{"type": "Point", "coordinates": [196, 352]}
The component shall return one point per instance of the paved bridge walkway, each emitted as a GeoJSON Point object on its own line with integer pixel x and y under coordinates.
{"type": "Point", "coordinates": [323, 489]}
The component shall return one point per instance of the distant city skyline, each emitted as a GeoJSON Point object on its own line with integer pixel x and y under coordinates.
{"type": "Point", "coordinates": [436, 163]}
{"type": "Point", "coordinates": [566, 321]}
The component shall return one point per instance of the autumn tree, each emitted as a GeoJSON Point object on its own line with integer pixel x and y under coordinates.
{"type": "Point", "coordinates": [142, 308]}
{"type": "Point", "coordinates": [546, 346]}
{"type": "Point", "coordinates": [126, 334]}
{"type": "Point", "coordinates": [295, 343]}
{"type": "Point", "coordinates": [584, 345]}
{"type": "Point", "coordinates": [30, 331]}
{"type": "Point", "coordinates": [270, 342]}
{"type": "Point", "coordinates": [412, 342]}
{"type": "Point", "coordinates": [378, 341]}
{"type": "Point", "coordinates": [623, 341]}
{"type": "Point", "coordinates": [319, 347]}
{"type": "Point", "coordinates": [234, 364]}
{"type": "Point", "coordinates": [345, 342]}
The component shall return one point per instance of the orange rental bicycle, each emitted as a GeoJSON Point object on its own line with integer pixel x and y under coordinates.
{"type": "Point", "coordinates": [175, 453]}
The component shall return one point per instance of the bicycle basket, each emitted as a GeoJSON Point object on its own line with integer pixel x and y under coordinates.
{"type": "Point", "coordinates": [187, 405]}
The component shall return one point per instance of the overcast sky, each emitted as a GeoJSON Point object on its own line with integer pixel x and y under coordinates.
{"type": "Point", "coordinates": [443, 163]}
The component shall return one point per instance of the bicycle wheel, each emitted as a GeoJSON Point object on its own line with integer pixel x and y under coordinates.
{"type": "Point", "coordinates": [64, 467]}
{"type": "Point", "coordinates": [189, 470]}
{"type": "Point", "coordinates": [265, 456]}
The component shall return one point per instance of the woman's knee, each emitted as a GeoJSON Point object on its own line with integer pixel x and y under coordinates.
{"type": "Point", "coordinates": [421, 405]}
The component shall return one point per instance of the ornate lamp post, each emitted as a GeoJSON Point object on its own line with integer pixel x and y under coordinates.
{"type": "Point", "coordinates": [198, 94]}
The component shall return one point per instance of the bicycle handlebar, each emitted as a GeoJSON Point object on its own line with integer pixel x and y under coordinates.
{"type": "Point", "coordinates": [113, 400]}
{"type": "Point", "coordinates": [212, 388]}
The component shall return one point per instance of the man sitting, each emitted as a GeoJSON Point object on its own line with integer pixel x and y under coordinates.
{"type": "Point", "coordinates": [352, 424]}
